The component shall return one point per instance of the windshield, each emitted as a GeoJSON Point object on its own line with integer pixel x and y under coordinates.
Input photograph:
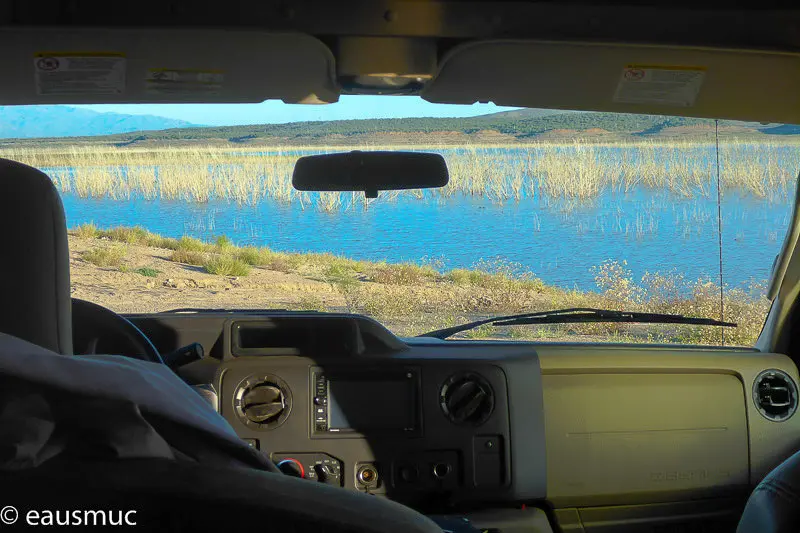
{"type": "Point", "coordinates": [190, 206]}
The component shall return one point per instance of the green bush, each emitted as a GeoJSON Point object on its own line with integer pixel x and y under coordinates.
{"type": "Point", "coordinates": [147, 272]}
{"type": "Point", "coordinates": [134, 235]}
{"type": "Point", "coordinates": [226, 265]}
{"type": "Point", "coordinates": [403, 274]}
{"type": "Point", "coordinates": [284, 262]}
{"type": "Point", "coordinates": [309, 302]}
{"type": "Point", "coordinates": [87, 231]}
{"type": "Point", "coordinates": [461, 276]}
{"type": "Point", "coordinates": [223, 243]}
{"type": "Point", "coordinates": [188, 257]}
{"type": "Point", "coordinates": [190, 244]}
{"type": "Point", "coordinates": [105, 256]}
{"type": "Point", "coordinates": [254, 256]}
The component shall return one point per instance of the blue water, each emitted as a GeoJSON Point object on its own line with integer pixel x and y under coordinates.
{"type": "Point", "coordinates": [652, 231]}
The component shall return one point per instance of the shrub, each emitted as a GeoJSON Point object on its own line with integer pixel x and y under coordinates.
{"type": "Point", "coordinates": [188, 257]}
{"type": "Point", "coordinates": [164, 242]}
{"type": "Point", "coordinates": [134, 235]}
{"type": "Point", "coordinates": [137, 235]}
{"type": "Point", "coordinates": [190, 244]}
{"type": "Point", "coordinates": [310, 302]}
{"type": "Point", "coordinates": [461, 276]}
{"type": "Point", "coordinates": [389, 302]}
{"type": "Point", "coordinates": [147, 272]}
{"type": "Point", "coordinates": [284, 262]}
{"type": "Point", "coordinates": [615, 280]}
{"type": "Point", "coordinates": [403, 274]}
{"type": "Point", "coordinates": [342, 279]}
{"type": "Point", "coordinates": [254, 256]}
{"type": "Point", "coordinates": [226, 265]}
{"type": "Point", "coordinates": [481, 332]}
{"type": "Point", "coordinates": [105, 256]}
{"type": "Point", "coordinates": [223, 243]}
{"type": "Point", "coordinates": [87, 231]}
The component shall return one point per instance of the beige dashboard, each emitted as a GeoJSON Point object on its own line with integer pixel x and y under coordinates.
{"type": "Point", "coordinates": [634, 431]}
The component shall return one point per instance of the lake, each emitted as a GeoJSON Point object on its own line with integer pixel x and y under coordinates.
{"type": "Point", "coordinates": [559, 241]}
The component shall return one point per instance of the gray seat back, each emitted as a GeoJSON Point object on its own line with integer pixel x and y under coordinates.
{"type": "Point", "coordinates": [34, 273]}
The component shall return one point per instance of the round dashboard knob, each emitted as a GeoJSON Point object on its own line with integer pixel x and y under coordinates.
{"type": "Point", "coordinates": [292, 467]}
{"type": "Point", "coordinates": [324, 472]}
{"type": "Point", "coordinates": [467, 399]}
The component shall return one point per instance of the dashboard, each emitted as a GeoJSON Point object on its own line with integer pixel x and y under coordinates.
{"type": "Point", "coordinates": [425, 428]}
{"type": "Point", "coordinates": [595, 436]}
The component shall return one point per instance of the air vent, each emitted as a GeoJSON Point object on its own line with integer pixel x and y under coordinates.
{"type": "Point", "coordinates": [775, 395]}
{"type": "Point", "coordinates": [467, 399]}
{"type": "Point", "coordinates": [262, 401]}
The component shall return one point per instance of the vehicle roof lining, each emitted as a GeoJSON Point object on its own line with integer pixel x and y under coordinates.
{"type": "Point", "coordinates": [751, 85]}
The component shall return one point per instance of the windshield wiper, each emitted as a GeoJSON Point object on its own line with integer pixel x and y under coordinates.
{"type": "Point", "coordinates": [578, 314]}
{"type": "Point", "coordinates": [219, 310]}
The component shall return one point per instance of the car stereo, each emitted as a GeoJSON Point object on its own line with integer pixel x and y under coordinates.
{"type": "Point", "coordinates": [357, 403]}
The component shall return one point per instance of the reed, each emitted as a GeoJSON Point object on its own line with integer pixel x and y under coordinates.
{"type": "Point", "coordinates": [575, 172]}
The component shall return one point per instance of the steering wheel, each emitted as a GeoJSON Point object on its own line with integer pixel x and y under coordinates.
{"type": "Point", "coordinates": [96, 329]}
{"type": "Point", "coordinates": [100, 330]}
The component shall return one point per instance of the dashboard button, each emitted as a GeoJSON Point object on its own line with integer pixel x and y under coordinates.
{"type": "Point", "coordinates": [408, 473]}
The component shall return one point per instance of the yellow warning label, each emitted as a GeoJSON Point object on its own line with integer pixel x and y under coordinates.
{"type": "Point", "coordinates": [184, 81]}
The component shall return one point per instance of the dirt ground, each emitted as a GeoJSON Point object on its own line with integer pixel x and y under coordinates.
{"type": "Point", "coordinates": [183, 286]}
{"type": "Point", "coordinates": [180, 286]}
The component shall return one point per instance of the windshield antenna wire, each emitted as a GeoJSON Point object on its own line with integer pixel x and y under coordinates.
{"type": "Point", "coordinates": [719, 231]}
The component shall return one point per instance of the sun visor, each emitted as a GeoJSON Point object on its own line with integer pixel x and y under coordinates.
{"type": "Point", "coordinates": [41, 66]}
{"type": "Point", "coordinates": [743, 85]}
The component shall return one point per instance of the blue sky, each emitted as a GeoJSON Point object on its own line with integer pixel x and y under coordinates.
{"type": "Point", "coordinates": [276, 112]}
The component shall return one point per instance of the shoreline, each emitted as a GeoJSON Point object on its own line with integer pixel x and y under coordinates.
{"type": "Point", "coordinates": [131, 270]}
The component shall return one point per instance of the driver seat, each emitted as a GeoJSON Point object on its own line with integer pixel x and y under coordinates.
{"type": "Point", "coordinates": [774, 505]}
{"type": "Point", "coordinates": [34, 277]}
{"type": "Point", "coordinates": [91, 434]}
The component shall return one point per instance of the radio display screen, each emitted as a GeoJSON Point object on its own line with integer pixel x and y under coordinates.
{"type": "Point", "coordinates": [362, 405]}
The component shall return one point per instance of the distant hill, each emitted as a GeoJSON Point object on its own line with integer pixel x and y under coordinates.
{"type": "Point", "coordinates": [523, 125]}
{"type": "Point", "coordinates": [64, 121]}
{"type": "Point", "coordinates": [520, 125]}
{"type": "Point", "coordinates": [517, 114]}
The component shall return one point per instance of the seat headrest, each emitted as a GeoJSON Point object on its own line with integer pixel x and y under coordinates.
{"type": "Point", "coordinates": [35, 300]}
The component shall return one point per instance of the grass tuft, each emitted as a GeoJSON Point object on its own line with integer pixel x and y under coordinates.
{"type": "Point", "coordinates": [148, 272]}
{"type": "Point", "coordinates": [105, 256]}
{"type": "Point", "coordinates": [188, 257]}
{"type": "Point", "coordinates": [403, 274]}
{"type": "Point", "coordinates": [223, 243]}
{"type": "Point", "coordinates": [226, 265]}
{"type": "Point", "coordinates": [87, 231]}
{"type": "Point", "coordinates": [253, 255]}
{"type": "Point", "coordinates": [286, 263]}
{"type": "Point", "coordinates": [190, 244]}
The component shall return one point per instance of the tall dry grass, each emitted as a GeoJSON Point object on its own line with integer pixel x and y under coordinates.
{"type": "Point", "coordinates": [577, 171]}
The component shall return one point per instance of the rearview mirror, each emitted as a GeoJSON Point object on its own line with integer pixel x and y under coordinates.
{"type": "Point", "coordinates": [370, 172]}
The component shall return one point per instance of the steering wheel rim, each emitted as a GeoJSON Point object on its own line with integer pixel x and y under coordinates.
{"type": "Point", "coordinates": [104, 319]}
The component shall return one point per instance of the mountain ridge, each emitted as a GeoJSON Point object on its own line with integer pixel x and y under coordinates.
{"type": "Point", "coordinates": [53, 121]}
{"type": "Point", "coordinates": [521, 125]}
